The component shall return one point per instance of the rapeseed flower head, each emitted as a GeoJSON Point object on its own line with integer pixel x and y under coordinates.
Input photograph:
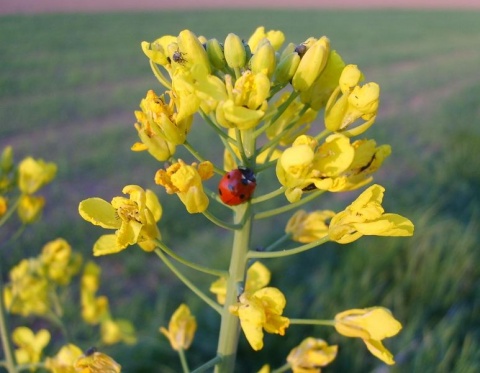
{"type": "Point", "coordinates": [59, 262]}
{"type": "Point", "coordinates": [3, 206]}
{"type": "Point", "coordinates": [64, 360]}
{"type": "Point", "coordinates": [186, 181]}
{"type": "Point", "coordinates": [261, 310]}
{"type": "Point", "coordinates": [311, 355]}
{"type": "Point", "coordinates": [181, 328]}
{"type": "Point", "coordinates": [134, 219]}
{"type": "Point", "coordinates": [30, 344]}
{"type": "Point", "coordinates": [116, 331]}
{"type": "Point", "coordinates": [34, 174]}
{"type": "Point", "coordinates": [372, 325]}
{"type": "Point", "coordinates": [30, 208]}
{"type": "Point", "coordinates": [366, 216]}
{"type": "Point", "coordinates": [94, 309]}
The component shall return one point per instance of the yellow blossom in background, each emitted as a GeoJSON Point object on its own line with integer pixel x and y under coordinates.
{"type": "Point", "coordinates": [33, 174]}
{"type": "Point", "coordinates": [30, 344]}
{"type": "Point", "coordinates": [311, 355]}
{"type": "Point", "coordinates": [365, 216]}
{"type": "Point", "coordinates": [3, 206]}
{"type": "Point", "coordinates": [27, 292]}
{"type": "Point", "coordinates": [264, 369]}
{"type": "Point", "coordinates": [261, 310]}
{"type": "Point", "coordinates": [59, 262]}
{"type": "Point", "coordinates": [186, 181]}
{"type": "Point", "coordinates": [372, 325]}
{"type": "Point", "coordinates": [308, 227]}
{"type": "Point", "coordinates": [258, 276]}
{"type": "Point", "coordinates": [275, 37]}
{"type": "Point", "coordinates": [30, 208]}
{"type": "Point", "coordinates": [134, 219]}
{"type": "Point", "coordinates": [64, 360]}
{"type": "Point", "coordinates": [116, 331]}
{"type": "Point", "coordinates": [181, 328]}
{"type": "Point", "coordinates": [94, 309]}
{"type": "Point", "coordinates": [96, 362]}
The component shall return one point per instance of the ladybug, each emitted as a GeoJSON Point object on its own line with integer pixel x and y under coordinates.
{"type": "Point", "coordinates": [237, 186]}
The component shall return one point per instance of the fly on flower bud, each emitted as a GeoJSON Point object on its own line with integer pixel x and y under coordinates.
{"type": "Point", "coordinates": [237, 186]}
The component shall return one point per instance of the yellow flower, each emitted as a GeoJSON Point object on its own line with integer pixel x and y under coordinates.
{"type": "Point", "coordinates": [94, 309]}
{"type": "Point", "coordinates": [30, 344]}
{"type": "Point", "coordinates": [135, 219]}
{"type": "Point", "coordinates": [356, 102]}
{"type": "Point", "coordinates": [310, 355]}
{"type": "Point", "coordinates": [260, 310]}
{"type": "Point", "coordinates": [30, 208]}
{"type": "Point", "coordinates": [275, 37]}
{"type": "Point", "coordinates": [264, 369]}
{"type": "Point", "coordinates": [312, 64]}
{"type": "Point", "coordinates": [235, 53]}
{"type": "Point", "coordinates": [93, 361]}
{"type": "Point", "coordinates": [309, 227]}
{"type": "Point", "coordinates": [181, 328]}
{"type": "Point", "coordinates": [3, 206]}
{"type": "Point", "coordinates": [186, 181]}
{"type": "Point", "coordinates": [157, 50]}
{"type": "Point", "coordinates": [258, 276]}
{"type": "Point", "coordinates": [63, 361]}
{"type": "Point", "coordinates": [27, 293]}
{"type": "Point", "coordinates": [59, 262]}
{"type": "Point", "coordinates": [33, 174]}
{"type": "Point", "coordinates": [116, 331]}
{"type": "Point", "coordinates": [372, 325]}
{"type": "Point", "coordinates": [365, 216]}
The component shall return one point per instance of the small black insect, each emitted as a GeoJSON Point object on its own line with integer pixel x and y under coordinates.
{"type": "Point", "coordinates": [178, 57]}
{"type": "Point", "coordinates": [301, 49]}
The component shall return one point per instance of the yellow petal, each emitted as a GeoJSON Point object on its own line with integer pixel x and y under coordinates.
{"type": "Point", "coordinates": [378, 350]}
{"type": "Point", "coordinates": [99, 212]}
{"type": "Point", "coordinates": [107, 244]}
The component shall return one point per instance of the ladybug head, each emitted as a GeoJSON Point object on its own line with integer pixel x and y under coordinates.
{"type": "Point", "coordinates": [247, 174]}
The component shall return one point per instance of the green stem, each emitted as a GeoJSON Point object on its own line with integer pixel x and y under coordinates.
{"type": "Point", "coordinates": [10, 211]}
{"type": "Point", "coordinates": [5, 337]}
{"type": "Point", "coordinates": [183, 360]}
{"type": "Point", "coordinates": [278, 242]}
{"type": "Point", "coordinates": [278, 254]}
{"type": "Point", "coordinates": [188, 283]}
{"type": "Point", "coordinates": [219, 222]}
{"type": "Point", "coordinates": [322, 134]}
{"type": "Point", "coordinates": [199, 157]}
{"type": "Point", "coordinates": [200, 268]}
{"type": "Point", "coordinates": [312, 322]}
{"type": "Point", "coordinates": [268, 196]}
{"type": "Point", "coordinates": [280, 210]}
{"type": "Point", "coordinates": [209, 364]}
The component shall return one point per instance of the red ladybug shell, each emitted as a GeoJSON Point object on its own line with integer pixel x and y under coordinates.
{"type": "Point", "coordinates": [237, 186]}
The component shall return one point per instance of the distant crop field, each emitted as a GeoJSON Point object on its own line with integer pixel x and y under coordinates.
{"type": "Point", "coordinates": [69, 84]}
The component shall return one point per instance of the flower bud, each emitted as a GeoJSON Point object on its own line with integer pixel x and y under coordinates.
{"type": "Point", "coordinates": [350, 78]}
{"type": "Point", "coordinates": [215, 54]}
{"type": "Point", "coordinates": [264, 61]}
{"type": "Point", "coordinates": [6, 160]}
{"type": "Point", "coordinates": [235, 53]}
{"type": "Point", "coordinates": [287, 68]}
{"type": "Point", "coordinates": [311, 65]}
{"type": "Point", "coordinates": [191, 50]}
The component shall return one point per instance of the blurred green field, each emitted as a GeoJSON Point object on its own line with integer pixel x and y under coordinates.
{"type": "Point", "coordinates": [69, 85]}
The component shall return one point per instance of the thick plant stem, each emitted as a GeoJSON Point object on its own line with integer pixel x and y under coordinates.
{"type": "Point", "coordinates": [230, 326]}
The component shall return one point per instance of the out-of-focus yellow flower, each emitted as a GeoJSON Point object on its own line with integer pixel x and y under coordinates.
{"type": "Point", "coordinates": [27, 292]}
{"type": "Point", "coordinates": [30, 344]}
{"type": "Point", "coordinates": [308, 227]}
{"type": "Point", "coordinates": [33, 174]}
{"type": "Point", "coordinates": [63, 361]}
{"type": "Point", "coordinates": [186, 181]}
{"type": "Point", "coordinates": [59, 262]}
{"type": "Point", "coordinates": [311, 355]}
{"type": "Point", "coordinates": [96, 362]}
{"type": "Point", "coordinates": [116, 331]}
{"type": "Point", "coordinates": [3, 206]}
{"type": "Point", "coordinates": [261, 310]}
{"type": "Point", "coordinates": [356, 102]}
{"type": "Point", "coordinates": [365, 216]}
{"type": "Point", "coordinates": [258, 276]}
{"type": "Point", "coordinates": [94, 309]}
{"type": "Point", "coordinates": [275, 37]}
{"type": "Point", "coordinates": [181, 328]}
{"type": "Point", "coordinates": [135, 219]}
{"type": "Point", "coordinates": [30, 208]}
{"type": "Point", "coordinates": [264, 369]}
{"type": "Point", "coordinates": [372, 325]}
{"type": "Point", "coordinates": [246, 103]}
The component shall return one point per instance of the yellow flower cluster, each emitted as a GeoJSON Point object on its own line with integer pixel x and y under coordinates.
{"type": "Point", "coordinates": [33, 282]}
